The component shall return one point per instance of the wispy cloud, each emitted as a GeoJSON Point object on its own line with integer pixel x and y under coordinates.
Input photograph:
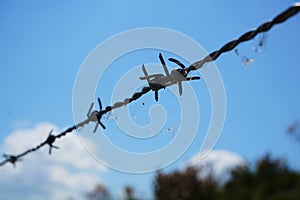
{"type": "Point", "coordinates": [217, 163]}
{"type": "Point", "coordinates": [68, 172]}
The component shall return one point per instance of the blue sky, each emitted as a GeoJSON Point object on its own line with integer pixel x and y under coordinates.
{"type": "Point", "coordinates": [43, 45]}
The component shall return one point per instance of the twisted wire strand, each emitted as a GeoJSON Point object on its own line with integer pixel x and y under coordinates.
{"type": "Point", "coordinates": [282, 17]}
{"type": "Point", "coordinates": [15, 158]}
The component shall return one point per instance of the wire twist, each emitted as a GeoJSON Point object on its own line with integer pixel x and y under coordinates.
{"type": "Point", "coordinates": [282, 17]}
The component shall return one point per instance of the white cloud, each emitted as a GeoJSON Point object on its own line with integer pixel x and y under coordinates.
{"type": "Point", "coordinates": [218, 163]}
{"type": "Point", "coordinates": [68, 172]}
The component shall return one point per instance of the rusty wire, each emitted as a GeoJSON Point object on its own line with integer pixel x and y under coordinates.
{"type": "Point", "coordinates": [282, 17]}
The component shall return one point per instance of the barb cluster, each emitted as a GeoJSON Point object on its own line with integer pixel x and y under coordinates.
{"type": "Point", "coordinates": [161, 81]}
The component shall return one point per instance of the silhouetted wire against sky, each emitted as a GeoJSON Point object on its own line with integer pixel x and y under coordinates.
{"type": "Point", "coordinates": [96, 116]}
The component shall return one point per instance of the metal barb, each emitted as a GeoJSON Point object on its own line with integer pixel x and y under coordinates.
{"type": "Point", "coordinates": [50, 140]}
{"type": "Point", "coordinates": [159, 81]}
{"type": "Point", "coordinates": [12, 159]}
{"type": "Point", "coordinates": [96, 116]}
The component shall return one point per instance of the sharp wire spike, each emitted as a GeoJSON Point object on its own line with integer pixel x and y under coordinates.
{"type": "Point", "coordinates": [90, 109]}
{"type": "Point", "coordinates": [177, 62]}
{"type": "Point", "coordinates": [161, 59]}
{"type": "Point", "coordinates": [156, 95]}
{"type": "Point", "coordinates": [144, 70]}
{"type": "Point", "coordinates": [102, 125]}
{"type": "Point", "coordinates": [96, 127]}
{"type": "Point", "coordinates": [193, 78]}
{"type": "Point", "coordinates": [100, 104]}
{"type": "Point", "coordinates": [180, 87]}
{"type": "Point", "coordinates": [164, 64]}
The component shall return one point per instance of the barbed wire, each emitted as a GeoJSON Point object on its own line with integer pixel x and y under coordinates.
{"type": "Point", "coordinates": [95, 116]}
{"type": "Point", "coordinates": [282, 17]}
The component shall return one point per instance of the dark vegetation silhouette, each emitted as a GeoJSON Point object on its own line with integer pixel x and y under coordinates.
{"type": "Point", "coordinates": [184, 185]}
{"type": "Point", "coordinates": [100, 192]}
{"type": "Point", "coordinates": [270, 178]}
{"type": "Point", "coordinates": [129, 193]}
